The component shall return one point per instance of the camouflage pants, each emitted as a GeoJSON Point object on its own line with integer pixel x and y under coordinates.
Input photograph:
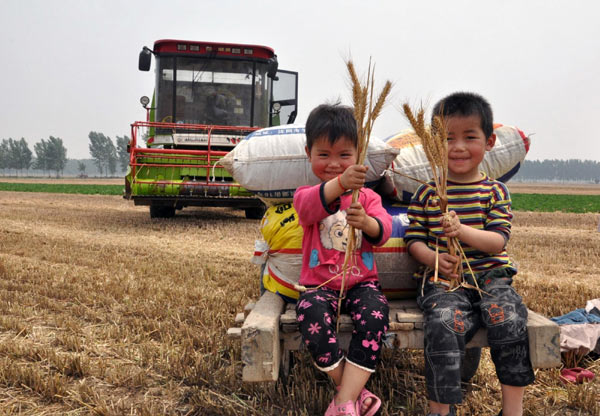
{"type": "Point", "coordinates": [451, 320]}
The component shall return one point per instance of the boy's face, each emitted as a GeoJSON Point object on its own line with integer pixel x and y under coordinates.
{"type": "Point", "coordinates": [328, 161]}
{"type": "Point", "coordinates": [466, 147]}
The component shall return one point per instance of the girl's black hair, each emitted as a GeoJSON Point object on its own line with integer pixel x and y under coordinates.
{"type": "Point", "coordinates": [332, 121]}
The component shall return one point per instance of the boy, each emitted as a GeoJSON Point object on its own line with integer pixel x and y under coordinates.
{"type": "Point", "coordinates": [480, 217]}
{"type": "Point", "coordinates": [326, 212]}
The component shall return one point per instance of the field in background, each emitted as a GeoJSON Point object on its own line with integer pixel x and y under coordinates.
{"type": "Point", "coordinates": [514, 187]}
{"type": "Point", "coordinates": [104, 311]}
{"type": "Point", "coordinates": [581, 199]}
{"type": "Point", "coordinates": [62, 188]}
{"type": "Point", "coordinates": [65, 181]}
{"type": "Point", "coordinates": [554, 188]}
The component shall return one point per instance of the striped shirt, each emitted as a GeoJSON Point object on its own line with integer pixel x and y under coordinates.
{"type": "Point", "coordinates": [484, 205]}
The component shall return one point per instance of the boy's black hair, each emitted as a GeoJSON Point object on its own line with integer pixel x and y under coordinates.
{"type": "Point", "coordinates": [467, 104]}
{"type": "Point", "coordinates": [332, 121]}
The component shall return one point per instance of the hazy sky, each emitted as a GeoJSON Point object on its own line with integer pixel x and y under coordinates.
{"type": "Point", "coordinates": [70, 67]}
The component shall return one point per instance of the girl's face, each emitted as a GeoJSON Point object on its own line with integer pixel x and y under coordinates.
{"type": "Point", "coordinates": [329, 160]}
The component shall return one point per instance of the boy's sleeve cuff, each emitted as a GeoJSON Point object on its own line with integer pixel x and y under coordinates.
{"type": "Point", "coordinates": [503, 234]}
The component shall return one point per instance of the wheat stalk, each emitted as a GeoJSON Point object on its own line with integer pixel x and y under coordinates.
{"type": "Point", "coordinates": [435, 146]}
{"type": "Point", "coordinates": [366, 111]}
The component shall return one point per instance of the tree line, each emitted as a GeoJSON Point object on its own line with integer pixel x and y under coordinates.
{"type": "Point", "coordinates": [575, 170]}
{"type": "Point", "coordinates": [51, 155]}
{"type": "Point", "coordinates": [107, 156]}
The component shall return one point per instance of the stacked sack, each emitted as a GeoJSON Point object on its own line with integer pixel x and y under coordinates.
{"type": "Point", "coordinates": [501, 163]}
{"type": "Point", "coordinates": [280, 253]}
{"type": "Point", "coordinates": [395, 266]}
{"type": "Point", "coordinates": [272, 163]}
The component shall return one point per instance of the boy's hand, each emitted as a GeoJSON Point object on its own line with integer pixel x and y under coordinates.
{"type": "Point", "coordinates": [354, 177]}
{"type": "Point", "coordinates": [451, 224]}
{"type": "Point", "coordinates": [446, 265]}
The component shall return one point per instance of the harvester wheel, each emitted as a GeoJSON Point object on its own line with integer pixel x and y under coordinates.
{"type": "Point", "coordinates": [161, 211]}
{"type": "Point", "coordinates": [255, 213]}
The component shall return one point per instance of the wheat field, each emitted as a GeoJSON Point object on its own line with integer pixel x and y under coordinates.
{"type": "Point", "coordinates": [107, 312]}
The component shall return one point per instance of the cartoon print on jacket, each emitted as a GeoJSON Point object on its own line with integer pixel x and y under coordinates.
{"type": "Point", "coordinates": [334, 232]}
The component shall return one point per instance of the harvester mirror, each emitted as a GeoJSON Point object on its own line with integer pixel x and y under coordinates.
{"type": "Point", "coordinates": [144, 101]}
{"type": "Point", "coordinates": [145, 58]}
{"type": "Point", "coordinates": [272, 68]}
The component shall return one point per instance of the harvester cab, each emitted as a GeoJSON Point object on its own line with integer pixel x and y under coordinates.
{"type": "Point", "coordinates": [207, 98]}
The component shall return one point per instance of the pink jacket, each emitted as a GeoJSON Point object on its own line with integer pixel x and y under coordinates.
{"type": "Point", "coordinates": [326, 234]}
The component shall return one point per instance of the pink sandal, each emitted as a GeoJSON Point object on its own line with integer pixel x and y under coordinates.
{"type": "Point", "coordinates": [575, 375]}
{"type": "Point", "coordinates": [349, 408]}
{"type": "Point", "coordinates": [375, 402]}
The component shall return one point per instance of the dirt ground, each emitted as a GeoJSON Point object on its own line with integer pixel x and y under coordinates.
{"type": "Point", "coordinates": [105, 311]}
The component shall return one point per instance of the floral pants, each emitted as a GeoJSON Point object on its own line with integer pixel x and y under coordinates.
{"type": "Point", "coordinates": [316, 312]}
{"type": "Point", "coordinates": [451, 320]}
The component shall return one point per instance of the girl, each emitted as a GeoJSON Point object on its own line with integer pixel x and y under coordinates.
{"type": "Point", "coordinates": [326, 212]}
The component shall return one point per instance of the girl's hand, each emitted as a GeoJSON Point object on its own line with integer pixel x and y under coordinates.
{"type": "Point", "coordinates": [356, 216]}
{"type": "Point", "coordinates": [354, 177]}
{"type": "Point", "coordinates": [451, 224]}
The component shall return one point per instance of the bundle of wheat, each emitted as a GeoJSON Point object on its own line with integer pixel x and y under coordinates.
{"type": "Point", "coordinates": [435, 146]}
{"type": "Point", "coordinates": [366, 111]}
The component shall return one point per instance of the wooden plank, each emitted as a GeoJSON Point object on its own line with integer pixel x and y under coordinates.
{"type": "Point", "coordinates": [261, 347]}
{"type": "Point", "coordinates": [412, 315]}
{"type": "Point", "coordinates": [544, 341]}
{"type": "Point", "coordinates": [407, 328]}
{"type": "Point", "coordinates": [396, 304]}
{"type": "Point", "coordinates": [234, 333]}
{"type": "Point", "coordinates": [409, 339]}
{"type": "Point", "coordinates": [403, 304]}
{"type": "Point", "coordinates": [414, 311]}
{"type": "Point", "coordinates": [346, 327]}
{"type": "Point", "coordinates": [402, 326]}
{"type": "Point", "coordinates": [291, 341]}
{"type": "Point", "coordinates": [346, 320]}
{"type": "Point", "coordinates": [394, 312]}
{"type": "Point", "coordinates": [248, 308]}
{"type": "Point", "coordinates": [289, 327]}
{"type": "Point", "coordinates": [288, 317]}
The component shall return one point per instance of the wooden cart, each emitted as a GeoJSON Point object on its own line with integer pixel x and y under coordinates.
{"type": "Point", "coordinates": [269, 334]}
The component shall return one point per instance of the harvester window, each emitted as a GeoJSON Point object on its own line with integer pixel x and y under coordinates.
{"type": "Point", "coordinates": [212, 91]}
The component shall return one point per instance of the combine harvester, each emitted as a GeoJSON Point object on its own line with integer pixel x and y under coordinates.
{"type": "Point", "coordinates": [207, 98]}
